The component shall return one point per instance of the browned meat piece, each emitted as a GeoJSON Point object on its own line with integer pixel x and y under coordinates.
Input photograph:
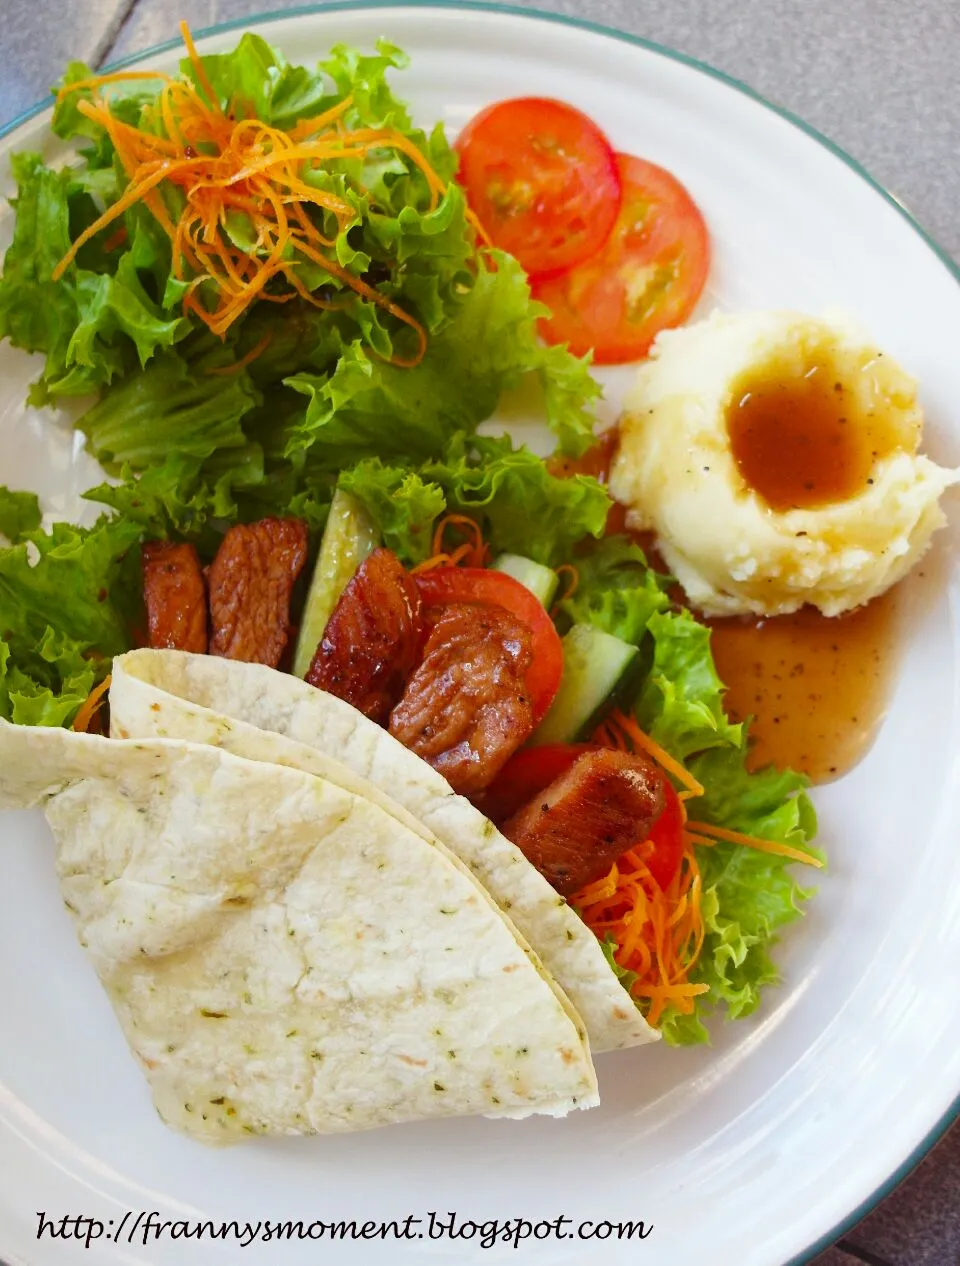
{"type": "Point", "coordinates": [250, 582]}
{"type": "Point", "coordinates": [465, 710]}
{"type": "Point", "coordinates": [372, 639]}
{"type": "Point", "coordinates": [577, 828]}
{"type": "Point", "coordinates": [175, 597]}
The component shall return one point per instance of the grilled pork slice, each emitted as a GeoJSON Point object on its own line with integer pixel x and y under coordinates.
{"type": "Point", "coordinates": [175, 597]}
{"type": "Point", "coordinates": [372, 639]}
{"type": "Point", "coordinates": [577, 828]}
{"type": "Point", "coordinates": [250, 580]}
{"type": "Point", "coordinates": [466, 710]}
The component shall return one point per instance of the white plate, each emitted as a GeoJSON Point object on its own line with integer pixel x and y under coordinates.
{"type": "Point", "coordinates": [745, 1154]}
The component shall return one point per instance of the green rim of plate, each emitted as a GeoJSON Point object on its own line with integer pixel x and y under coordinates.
{"type": "Point", "coordinates": [952, 1113]}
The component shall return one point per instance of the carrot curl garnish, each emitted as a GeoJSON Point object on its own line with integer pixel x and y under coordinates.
{"type": "Point", "coordinates": [193, 155]}
{"type": "Point", "coordinates": [472, 552]}
{"type": "Point", "coordinates": [752, 841]}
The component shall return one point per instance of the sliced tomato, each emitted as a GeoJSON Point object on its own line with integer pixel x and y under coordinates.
{"type": "Point", "coordinates": [525, 774]}
{"type": "Point", "coordinates": [667, 836]}
{"type": "Point", "coordinates": [480, 585]}
{"type": "Point", "coordinates": [542, 180]}
{"type": "Point", "coordinates": [646, 278]}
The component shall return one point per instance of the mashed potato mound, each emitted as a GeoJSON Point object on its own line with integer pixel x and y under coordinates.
{"type": "Point", "coordinates": [732, 551]}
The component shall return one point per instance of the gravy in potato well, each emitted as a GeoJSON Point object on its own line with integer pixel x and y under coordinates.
{"type": "Point", "coordinates": [803, 440]}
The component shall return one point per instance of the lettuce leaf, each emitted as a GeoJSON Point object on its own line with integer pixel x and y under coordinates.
{"type": "Point", "coordinates": [188, 499]}
{"type": "Point", "coordinates": [681, 703]}
{"type": "Point", "coordinates": [402, 504]}
{"type": "Point", "coordinates": [63, 615]}
{"type": "Point", "coordinates": [488, 345]}
{"type": "Point", "coordinates": [37, 313]}
{"type": "Point", "coordinates": [92, 326]}
{"type": "Point", "coordinates": [108, 306]}
{"type": "Point", "coordinates": [748, 895]}
{"type": "Point", "coordinates": [616, 590]}
{"type": "Point", "coordinates": [76, 585]}
{"type": "Point", "coordinates": [19, 514]}
{"type": "Point", "coordinates": [521, 506]}
{"type": "Point", "coordinates": [256, 81]}
{"type": "Point", "coordinates": [170, 407]}
{"type": "Point", "coordinates": [508, 491]}
{"type": "Point", "coordinates": [26, 700]}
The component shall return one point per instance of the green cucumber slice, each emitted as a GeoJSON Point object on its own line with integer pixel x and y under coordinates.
{"type": "Point", "coordinates": [347, 540]}
{"type": "Point", "coordinates": [594, 664]}
{"type": "Point", "coordinates": [541, 581]}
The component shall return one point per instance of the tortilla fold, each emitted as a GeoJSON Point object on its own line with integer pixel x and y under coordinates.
{"type": "Point", "coordinates": [283, 955]}
{"type": "Point", "coordinates": [265, 715]}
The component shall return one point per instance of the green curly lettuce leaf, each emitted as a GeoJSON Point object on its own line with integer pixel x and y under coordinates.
{"type": "Point", "coordinates": [616, 590]}
{"type": "Point", "coordinates": [748, 895]}
{"type": "Point", "coordinates": [519, 506]}
{"type": "Point", "coordinates": [19, 514]}
{"type": "Point", "coordinates": [63, 613]}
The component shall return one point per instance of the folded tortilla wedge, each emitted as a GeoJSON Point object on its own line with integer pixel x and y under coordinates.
{"type": "Point", "coordinates": [283, 955]}
{"type": "Point", "coordinates": [264, 715]}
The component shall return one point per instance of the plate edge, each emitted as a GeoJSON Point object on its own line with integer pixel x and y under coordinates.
{"type": "Point", "coordinates": [952, 1114]}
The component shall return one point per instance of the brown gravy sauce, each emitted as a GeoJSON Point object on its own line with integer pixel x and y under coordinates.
{"type": "Point", "coordinates": [817, 687]}
{"type": "Point", "coordinates": [802, 440]}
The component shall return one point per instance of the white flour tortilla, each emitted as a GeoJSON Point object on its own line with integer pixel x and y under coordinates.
{"type": "Point", "coordinates": [266, 715]}
{"type": "Point", "coordinates": [284, 956]}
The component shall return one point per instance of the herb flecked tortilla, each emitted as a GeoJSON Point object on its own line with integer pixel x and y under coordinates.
{"type": "Point", "coordinates": [265, 715]}
{"type": "Point", "coordinates": [285, 957]}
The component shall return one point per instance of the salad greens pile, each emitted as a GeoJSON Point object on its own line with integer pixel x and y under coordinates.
{"type": "Point", "coordinates": [191, 443]}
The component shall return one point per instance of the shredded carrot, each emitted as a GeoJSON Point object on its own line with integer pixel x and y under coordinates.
{"type": "Point", "coordinates": [600, 889]}
{"type": "Point", "coordinates": [473, 552]}
{"type": "Point", "coordinates": [115, 240]}
{"type": "Point", "coordinates": [115, 76]}
{"type": "Point", "coordinates": [752, 841]}
{"type": "Point", "coordinates": [699, 839]}
{"type": "Point", "coordinates": [244, 361]}
{"type": "Point", "coordinates": [91, 706]}
{"type": "Point", "coordinates": [307, 127]}
{"type": "Point", "coordinates": [215, 164]}
{"type": "Point", "coordinates": [573, 582]}
{"type": "Point", "coordinates": [622, 732]}
{"type": "Point", "coordinates": [658, 934]}
{"type": "Point", "coordinates": [671, 992]}
{"type": "Point", "coordinates": [199, 71]}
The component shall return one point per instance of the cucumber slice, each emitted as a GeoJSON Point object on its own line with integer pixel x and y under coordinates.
{"type": "Point", "coordinates": [594, 664]}
{"type": "Point", "coordinates": [541, 581]}
{"type": "Point", "coordinates": [347, 540]}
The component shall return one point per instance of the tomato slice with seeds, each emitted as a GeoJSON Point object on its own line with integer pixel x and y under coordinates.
{"type": "Point", "coordinates": [646, 278]}
{"type": "Point", "coordinates": [483, 586]}
{"type": "Point", "coordinates": [542, 179]}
